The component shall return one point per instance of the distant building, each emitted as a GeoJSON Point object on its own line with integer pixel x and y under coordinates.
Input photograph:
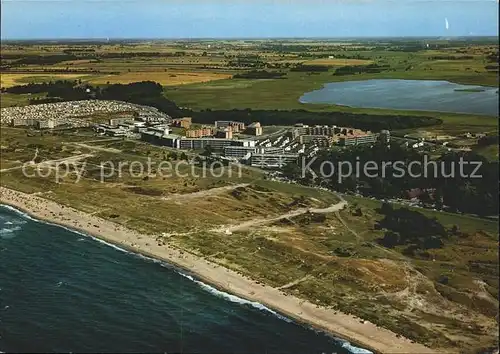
{"type": "Point", "coordinates": [272, 160]}
{"type": "Point", "coordinates": [153, 137]}
{"type": "Point", "coordinates": [225, 133]}
{"type": "Point", "coordinates": [324, 130]}
{"type": "Point", "coordinates": [237, 127]}
{"type": "Point", "coordinates": [202, 132]}
{"type": "Point", "coordinates": [270, 150]}
{"type": "Point", "coordinates": [350, 140]}
{"type": "Point", "coordinates": [35, 123]}
{"type": "Point", "coordinates": [298, 131]}
{"type": "Point", "coordinates": [121, 120]}
{"type": "Point", "coordinates": [319, 140]}
{"type": "Point", "coordinates": [162, 129]}
{"type": "Point", "coordinates": [153, 115]}
{"type": "Point", "coordinates": [182, 122]}
{"type": "Point", "coordinates": [238, 152]}
{"type": "Point", "coordinates": [254, 129]}
{"type": "Point", "coordinates": [216, 144]}
{"type": "Point", "coordinates": [45, 124]}
{"type": "Point", "coordinates": [116, 132]}
{"type": "Point", "coordinates": [18, 122]}
{"type": "Point", "coordinates": [321, 130]}
{"type": "Point", "coordinates": [385, 136]}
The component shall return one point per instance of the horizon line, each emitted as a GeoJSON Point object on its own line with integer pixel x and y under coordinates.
{"type": "Point", "coordinates": [242, 38]}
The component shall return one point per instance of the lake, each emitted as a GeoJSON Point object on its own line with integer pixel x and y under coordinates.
{"type": "Point", "coordinates": [422, 95]}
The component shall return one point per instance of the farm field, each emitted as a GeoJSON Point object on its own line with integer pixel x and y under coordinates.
{"type": "Point", "coordinates": [198, 74]}
{"type": "Point", "coordinates": [166, 78]}
{"type": "Point", "coordinates": [338, 62]}
{"type": "Point", "coordinates": [9, 80]}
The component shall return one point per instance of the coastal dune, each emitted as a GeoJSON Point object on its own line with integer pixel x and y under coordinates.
{"type": "Point", "coordinates": [359, 332]}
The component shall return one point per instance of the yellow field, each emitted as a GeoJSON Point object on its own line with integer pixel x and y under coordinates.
{"type": "Point", "coordinates": [9, 80]}
{"type": "Point", "coordinates": [338, 62]}
{"type": "Point", "coordinates": [171, 78]}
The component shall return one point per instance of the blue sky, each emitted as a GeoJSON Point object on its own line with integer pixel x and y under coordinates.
{"type": "Point", "coordinates": [23, 19]}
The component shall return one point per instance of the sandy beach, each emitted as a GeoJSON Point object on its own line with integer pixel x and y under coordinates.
{"type": "Point", "coordinates": [359, 332]}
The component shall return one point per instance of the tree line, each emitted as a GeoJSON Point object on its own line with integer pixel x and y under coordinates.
{"type": "Point", "coordinates": [359, 69]}
{"type": "Point", "coordinates": [151, 94]}
{"type": "Point", "coordinates": [260, 74]}
{"type": "Point", "coordinates": [310, 68]}
{"type": "Point", "coordinates": [416, 231]}
{"type": "Point", "coordinates": [290, 117]}
{"type": "Point", "coordinates": [87, 54]}
{"type": "Point", "coordinates": [456, 181]}
{"type": "Point", "coordinates": [451, 57]}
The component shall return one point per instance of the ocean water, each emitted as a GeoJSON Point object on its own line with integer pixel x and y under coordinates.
{"type": "Point", "coordinates": [61, 291]}
{"type": "Point", "coordinates": [420, 95]}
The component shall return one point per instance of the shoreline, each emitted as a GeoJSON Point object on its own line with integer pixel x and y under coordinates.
{"type": "Point", "coordinates": [358, 332]}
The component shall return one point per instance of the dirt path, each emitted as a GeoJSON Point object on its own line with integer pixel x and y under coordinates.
{"type": "Point", "coordinates": [359, 237]}
{"type": "Point", "coordinates": [204, 193]}
{"type": "Point", "coordinates": [342, 221]}
{"type": "Point", "coordinates": [96, 148]}
{"type": "Point", "coordinates": [258, 222]}
{"type": "Point", "coordinates": [101, 140]}
{"type": "Point", "coordinates": [295, 282]}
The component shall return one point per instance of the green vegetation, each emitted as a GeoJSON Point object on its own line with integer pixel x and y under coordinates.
{"type": "Point", "coordinates": [359, 69]}
{"type": "Point", "coordinates": [187, 70]}
{"type": "Point", "coordinates": [284, 94]}
{"type": "Point", "coordinates": [466, 223]}
{"type": "Point", "coordinates": [461, 181]}
{"type": "Point", "coordinates": [333, 259]}
{"type": "Point", "coordinates": [256, 74]}
{"type": "Point", "coordinates": [429, 275]}
{"type": "Point", "coordinates": [369, 122]}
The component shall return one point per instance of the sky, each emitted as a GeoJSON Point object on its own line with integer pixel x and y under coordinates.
{"type": "Point", "coordinates": [42, 19]}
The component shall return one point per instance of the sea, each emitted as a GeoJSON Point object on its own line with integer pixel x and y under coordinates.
{"type": "Point", "coordinates": [64, 291]}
